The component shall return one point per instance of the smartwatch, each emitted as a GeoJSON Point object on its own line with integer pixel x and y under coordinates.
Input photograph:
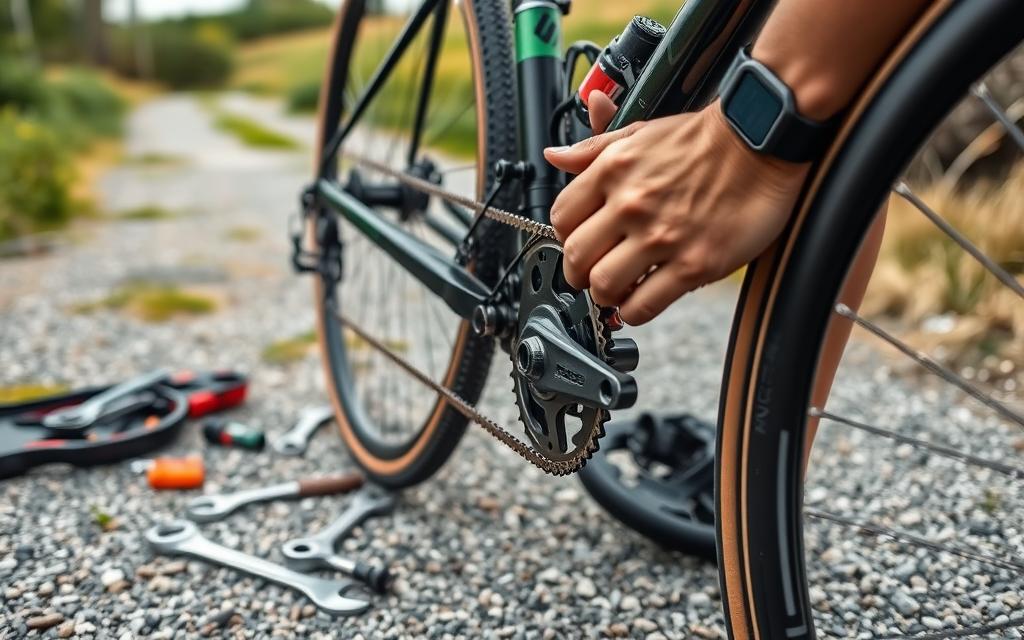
{"type": "Point", "coordinates": [761, 109]}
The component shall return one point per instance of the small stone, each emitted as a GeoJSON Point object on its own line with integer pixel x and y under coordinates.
{"type": "Point", "coordinates": [585, 588]}
{"type": "Point", "coordinates": [66, 630]}
{"type": "Point", "coordinates": [44, 622]}
{"type": "Point", "coordinates": [550, 575]}
{"type": "Point", "coordinates": [488, 503]}
{"type": "Point", "coordinates": [909, 518]}
{"type": "Point", "coordinates": [118, 586]}
{"type": "Point", "coordinates": [308, 611]}
{"type": "Point", "coordinates": [699, 600]}
{"type": "Point", "coordinates": [12, 593]}
{"type": "Point", "coordinates": [932, 623]}
{"type": "Point", "coordinates": [644, 625]}
{"type": "Point", "coordinates": [832, 556]}
{"type": "Point", "coordinates": [84, 628]}
{"type": "Point", "coordinates": [434, 567]}
{"type": "Point", "coordinates": [173, 568]}
{"type": "Point", "coordinates": [629, 603]}
{"type": "Point", "coordinates": [905, 604]}
{"type": "Point", "coordinates": [617, 630]}
{"type": "Point", "coordinates": [110, 576]}
{"type": "Point", "coordinates": [46, 589]}
{"type": "Point", "coordinates": [146, 571]}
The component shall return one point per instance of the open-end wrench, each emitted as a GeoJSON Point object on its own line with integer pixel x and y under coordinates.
{"type": "Point", "coordinates": [181, 537]}
{"type": "Point", "coordinates": [317, 551]}
{"type": "Point", "coordinates": [80, 417]}
{"type": "Point", "coordinates": [214, 507]}
{"type": "Point", "coordinates": [294, 441]}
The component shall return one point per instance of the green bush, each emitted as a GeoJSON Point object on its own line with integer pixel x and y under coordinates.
{"type": "Point", "coordinates": [35, 175]}
{"type": "Point", "coordinates": [22, 86]}
{"type": "Point", "coordinates": [269, 17]}
{"type": "Point", "coordinates": [304, 97]}
{"type": "Point", "coordinates": [92, 105]}
{"type": "Point", "coordinates": [184, 57]}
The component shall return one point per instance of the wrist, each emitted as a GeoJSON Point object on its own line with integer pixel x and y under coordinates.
{"type": "Point", "coordinates": [819, 92]}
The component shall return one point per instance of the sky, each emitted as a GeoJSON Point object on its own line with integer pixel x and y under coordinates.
{"type": "Point", "coordinates": [118, 9]}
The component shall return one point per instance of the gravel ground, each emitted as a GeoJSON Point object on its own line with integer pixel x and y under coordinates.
{"type": "Point", "coordinates": [491, 547]}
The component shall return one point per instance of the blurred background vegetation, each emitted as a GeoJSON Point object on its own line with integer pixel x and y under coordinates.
{"type": "Point", "coordinates": [68, 76]}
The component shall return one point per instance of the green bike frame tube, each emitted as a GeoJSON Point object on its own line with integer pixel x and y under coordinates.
{"type": "Point", "coordinates": [538, 38]}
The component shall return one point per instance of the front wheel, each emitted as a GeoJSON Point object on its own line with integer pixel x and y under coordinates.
{"type": "Point", "coordinates": [447, 112]}
{"type": "Point", "coordinates": [904, 519]}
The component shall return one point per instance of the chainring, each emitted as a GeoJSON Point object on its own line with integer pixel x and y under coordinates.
{"type": "Point", "coordinates": [557, 427]}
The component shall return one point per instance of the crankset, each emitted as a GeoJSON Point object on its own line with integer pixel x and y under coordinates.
{"type": "Point", "coordinates": [565, 375]}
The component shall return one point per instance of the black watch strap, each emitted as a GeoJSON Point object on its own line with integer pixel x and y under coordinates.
{"type": "Point", "coordinates": [762, 110]}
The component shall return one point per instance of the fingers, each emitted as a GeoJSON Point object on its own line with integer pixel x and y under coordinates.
{"type": "Point", "coordinates": [579, 156]}
{"type": "Point", "coordinates": [577, 202]}
{"type": "Point", "coordinates": [602, 110]}
{"type": "Point", "coordinates": [616, 274]}
{"type": "Point", "coordinates": [589, 242]}
{"type": "Point", "coordinates": [657, 291]}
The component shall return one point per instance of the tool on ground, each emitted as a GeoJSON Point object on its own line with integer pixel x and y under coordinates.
{"type": "Point", "coordinates": [172, 473]}
{"type": "Point", "coordinates": [228, 433]}
{"type": "Point", "coordinates": [181, 537]}
{"type": "Point", "coordinates": [215, 507]}
{"type": "Point", "coordinates": [75, 420]}
{"type": "Point", "coordinates": [317, 551]}
{"type": "Point", "coordinates": [295, 440]}
{"type": "Point", "coordinates": [127, 420]}
{"type": "Point", "coordinates": [667, 491]}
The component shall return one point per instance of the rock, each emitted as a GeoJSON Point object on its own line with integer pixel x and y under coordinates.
{"type": "Point", "coordinates": [66, 630]}
{"type": "Point", "coordinates": [84, 628]}
{"type": "Point", "coordinates": [44, 622]}
{"type": "Point", "coordinates": [111, 576]}
{"type": "Point", "coordinates": [699, 600]}
{"type": "Point", "coordinates": [617, 630]}
{"type": "Point", "coordinates": [644, 625]}
{"type": "Point", "coordinates": [585, 588]}
{"type": "Point", "coordinates": [551, 575]}
{"type": "Point", "coordinates": [904, 603]}
{"type": "Point", "coordinates": [629, 603]}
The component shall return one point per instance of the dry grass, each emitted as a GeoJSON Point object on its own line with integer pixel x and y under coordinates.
{"type": "Point", "coordinates": [152, 302]}
{"type": "Point", "coordinates": [926, 280]}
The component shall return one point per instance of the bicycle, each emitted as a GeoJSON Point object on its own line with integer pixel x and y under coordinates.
{"type": "Point", "coordinates": [469, 248]}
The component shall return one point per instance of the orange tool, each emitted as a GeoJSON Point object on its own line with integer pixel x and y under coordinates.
{"type": "Point", "coordinates": [172, 473]}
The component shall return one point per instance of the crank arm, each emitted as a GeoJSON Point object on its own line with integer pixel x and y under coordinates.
{"type": "Point", "coordinates": [555, 363]}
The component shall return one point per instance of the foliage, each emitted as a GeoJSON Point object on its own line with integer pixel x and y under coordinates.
{"type": "Point", "coordinates": [252, 133]}
{"type": "Point", "coordinates": [267, 17]}
{"type": "Point", "coordinates": [184, 57]}
{"type": "Point", "coordinates": [290, 349]}
{"type": "Point", "coordinates": [35, 175]}
{"type": "Point", "coordinates": [304, 97]}
{"type": "Point", "coordinates": [152, 302]}
{"type": "Point", "coordinates": [53, 25]}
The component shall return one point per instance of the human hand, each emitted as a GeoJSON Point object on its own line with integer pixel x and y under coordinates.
{"type": "Point", "coordinates": [663, 207]}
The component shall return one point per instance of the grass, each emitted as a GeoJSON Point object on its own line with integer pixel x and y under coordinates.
{"type": "Point", "coordinates": [290, 349]}
{"type": "Point", "coordinates": [286, 64]}
{"type": "Point", "coordinates": [923, 275]}
{"type": "Point", "coordinates": [153, 159]}
{"type": "Point", "coordinates": [252, 133]}
{"type": "Point", "coordinates": [26, 392]}
{"type": "Point", "coordinates": [243, 234]}
{"type": "Point", "coordinates": [145, 213]}
{"type": "Point", "coordinates": [152, 302]}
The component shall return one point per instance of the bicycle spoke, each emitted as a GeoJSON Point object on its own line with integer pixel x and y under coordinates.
{"type": "Point", "coordinates": [981, 91]}
{"type": "Point", "coordinates": [449, 124]}
{"type": "Point", "coordinates": [427, 86]}
{"type": "Point", "coordinates": [910, 538]}
{"type": "Point", "coordinates": [1004, 276]}
{"type": "Point", "coordinates": [931, 365]}
{"type": "Point", "coordinates": [947, 452]}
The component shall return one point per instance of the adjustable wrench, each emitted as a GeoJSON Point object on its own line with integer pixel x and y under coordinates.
{"type": "Point", "coordinates": [181, 537]}
{"type": "Point", "coordinates": [317, 551]}
{"type": "Point", "coordinates": [295, 440]}
{"type": "Point", "coordinates": [214, 507]}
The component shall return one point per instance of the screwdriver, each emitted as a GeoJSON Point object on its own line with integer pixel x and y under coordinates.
{"type": "Point", "coordinates": [233, 434]}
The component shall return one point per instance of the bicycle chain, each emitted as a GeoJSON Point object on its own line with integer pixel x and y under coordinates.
{"type": "Point", "coordinates": [503, 435]}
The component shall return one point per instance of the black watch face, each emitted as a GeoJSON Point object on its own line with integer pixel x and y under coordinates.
{"type": "Point", "coordinates": [754, 108]}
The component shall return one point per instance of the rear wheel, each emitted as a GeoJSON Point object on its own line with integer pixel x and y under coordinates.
{"type": "Point", "coordinates": [907, 522]}
{"type": "Point", "coordinates": [447, 118]}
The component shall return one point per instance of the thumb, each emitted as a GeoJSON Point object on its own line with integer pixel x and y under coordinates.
{"type": "Point", "coordinates": [579, 156]}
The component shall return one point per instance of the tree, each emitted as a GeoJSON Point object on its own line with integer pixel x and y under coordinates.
{"type": "Point", "coordinates": [97, 49]}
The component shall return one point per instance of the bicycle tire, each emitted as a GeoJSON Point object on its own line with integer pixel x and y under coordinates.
{"type": "Point", "coordinates": [788, 297]}
{"type": "Point", "coordinates": [402, 464]}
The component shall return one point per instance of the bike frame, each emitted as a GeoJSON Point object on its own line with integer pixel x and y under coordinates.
{"type": "Point", "coordinates": [682, 75]}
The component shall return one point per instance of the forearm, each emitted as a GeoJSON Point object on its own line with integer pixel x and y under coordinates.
{"type": "Point", "coordinates": [826, 49]}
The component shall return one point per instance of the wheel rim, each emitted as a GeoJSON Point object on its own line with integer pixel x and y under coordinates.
{"type": "Point", "coordinates": [404, 314]}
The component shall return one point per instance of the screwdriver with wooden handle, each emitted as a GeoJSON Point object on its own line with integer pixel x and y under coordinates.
{"type": "Point", "coordinates": [214, 507]}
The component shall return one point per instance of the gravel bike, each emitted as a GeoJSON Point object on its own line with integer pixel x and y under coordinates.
{"type": "Point", "coordinates": [426, 228]}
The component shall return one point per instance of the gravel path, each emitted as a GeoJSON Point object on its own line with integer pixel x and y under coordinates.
{"type": "Point", "coordinates": [491, 547]}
